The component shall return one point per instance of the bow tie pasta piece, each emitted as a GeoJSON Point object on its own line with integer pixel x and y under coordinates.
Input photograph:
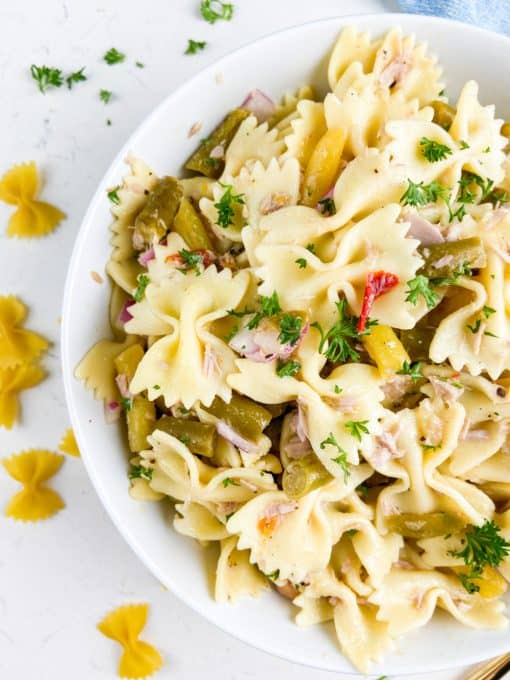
{"type": "Point", "coordinates": [262, 191]}
{"type": "Point", "coordinates": [362, 637]}
{"type": "Point", "coordinates": [293, 537]}
{"type": "Point", "coordinates": [17, 345]}
{"type": "Point", "coordinates": [351, 46]}
{"type": "Point", "coordinates": [68, 444]}
{"type": "Point", "coordinates": [362, 108]}
{"type": "Point", "coordinates": [124, 625]}
{"type": "Point", "coordinates": [236, 577]}
{"type": "Point", "coordinates": [97, 369]}
{"type": "Point", "coordinates": [127, 201]}
{"type": "Point", "coordinates": [307, 128]}
{"type": "Point", "coordinates": [183, 476]}
{"type": "Point", "coordinates": [32, 469]}
{"type": "Point", "coordinates": [20, 186]}
{"type": "Point", "coordinates": [407, 600]}
{"type": "Point", "coordinates": [285, 109]}
{"type": "Point", "coordinates": [252, 142]}
{"type": "Point", "coordinates": [12, 382]}
{"type": "Point", "coordinates": [377, 243]}
{"type": "Point", "coordinates": [198, 521]}
{"type": "Point", "coordinates": [191, 364]}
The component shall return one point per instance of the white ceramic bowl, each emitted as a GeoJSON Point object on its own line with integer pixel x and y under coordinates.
{"type": "Point", "coordinates": [277, 63]}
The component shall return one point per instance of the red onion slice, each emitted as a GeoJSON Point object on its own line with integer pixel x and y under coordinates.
{"type": "Point", "coordinates": [259, 104]}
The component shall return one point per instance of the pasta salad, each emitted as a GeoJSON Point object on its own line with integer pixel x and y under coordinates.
{"type": "Point", "coordinates": [311, 346]}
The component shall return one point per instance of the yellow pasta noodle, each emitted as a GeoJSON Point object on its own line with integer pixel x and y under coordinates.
{"type": "Point", "coordinates": [20, 186]}
{"type": "Point", "coordinates": [124, 625]}
{"type": "Point", "coordinates": [12, 382]}
{"type": "Point", "coordinates": [35, 501]}
{"type": "Point", "coordinates": [68, 444]}
{"type": "Point", "coordinates": [17, 345]}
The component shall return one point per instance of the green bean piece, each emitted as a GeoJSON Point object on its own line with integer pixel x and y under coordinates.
{"type": "Point", "coordinates": [417, 340]}
{"type": "Point", "coordinates": [276, 410]}
{"type": "Point", "coordinates": [187, 223]}
{"type": "Point", "coordinates": [443, 114]}
{"type": "Point", "coordinates": [415, 525]}
{"type": "Point", "coordinates": [201, 160]}
{"type": "Point", "coordinates": [243, 415]}
{"type": "Point", "coordinates": [156, 217]}
{"type": "Point", "coordinates": [199, 437]}
{"type": "Point", "coordinates": [127, 361]}
{"type": "Point", "coordinates": [505, 131]}
{"type": "Point", "coordinates": [140, 417]}
{"type": "Point", "coordinates": [468, 252]}
{"type": "Point", "coordinates": [304, 475]}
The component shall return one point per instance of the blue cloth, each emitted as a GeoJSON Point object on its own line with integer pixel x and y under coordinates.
{"type": "Point", "coordinates": [491, 14]}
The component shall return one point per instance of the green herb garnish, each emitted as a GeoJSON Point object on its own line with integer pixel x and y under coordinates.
{"type": "Point", "coordinates": [214, 10]}
{"type": "Point", "coordinates": [413, 370]}
{"type": "Point", "coordinates": [113, 195]}
{"type": "Point", "coordinates": [113, 56]}
{"type": "Point", "coordinates": [474, 329]}
{"type": "Point", "coordinates": [341, 459]}
{"type": "Point", "coordinates": [228, 481]}
{"type": "Point", "coordinates": [287, 368]}
{"type": "Point", "coordinates": [420, 286]}
{"type": "Point", "coordinates": [357, 428]}
{"type": "Point", "coordinates": [143, 282]}
{"type": "Point", "coordinates": [338, 338]}
{"type": "Point", "coordinates": [434, 151]}
{"type": "Point", "coordinates": [225, 205]}
{"type": "Point", "coordinates": [301, 262]}
{"type": "Point", "coordinates": [327, 206]}
{"type": "Point", "coordinates": [105, 96]}
{"type": "Point", "coordinates": [488, 311]}
{"type": "Point", "coordinates": [76, 77]}
{"type": "Point", "coordinates": [290, 329]}
{"type": "Point", "coordinates": [191, 261]}
{"type": "Point", "coordinates": [422, 194]}
{"type": "Point", "coordinates": [274, 575]}
{"type": "Point", "coordinates": [195, 46]}
{"type": "Point", "coordinates": [126, 403]}
{"type": "Point", "coordinates": [46, 77]}
{"type": "Point", "coordinates": [140, 472]}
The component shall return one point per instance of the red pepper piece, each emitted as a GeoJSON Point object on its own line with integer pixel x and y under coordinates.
{"type": "Point", "coordinates": [377, 284]}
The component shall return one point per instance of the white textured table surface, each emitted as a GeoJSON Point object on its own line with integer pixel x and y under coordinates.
{"type": "Point", "coordinates": [59, 577]}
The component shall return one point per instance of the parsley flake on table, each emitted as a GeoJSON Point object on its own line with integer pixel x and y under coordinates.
{"type": "Point", "coordinates": [139, 64]}
{"type": "Point", "coordinates": [213, 10]}
{"type": "Point", "coordinates": [225, 205]}
{"type": "Point", "coordinates": [195, 46]}
{"type": "Point", "coordinates": [287, 368]}
{"type": "Point", "coordinates": [420, 286]}
{"type": "Point", "coordinates": [113, 56]}
{"type": "Point", "coordinates": [434, 151]}
{"type": "Point", "coordinates": [75, 77]}
{"type": "Point", "coordinates": [483, 547]}
{"type": "Point", "coordinates": [105, 96]}
{"type": "Point", "coordinates": [341, 459]}
{"type": "Point", "coordinates": [357, 428]}
{"type": "Point", "coordinates": [46, 77]}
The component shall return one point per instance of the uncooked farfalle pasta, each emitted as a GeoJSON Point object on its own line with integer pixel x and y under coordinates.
{"type": "Point", "coordinates": [312, 346]}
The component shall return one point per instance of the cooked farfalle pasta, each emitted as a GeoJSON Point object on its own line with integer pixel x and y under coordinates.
{"type": "Point", "coordinates": [20, 186]}
{"type": "Point", "coordinates": [312, 337]}
{"type": "Point", "coordinates": [32, 469]}
{"type": "Point", "coordinates": [124, 625]}
{"type": "Point", "coordinates": [69, 445]}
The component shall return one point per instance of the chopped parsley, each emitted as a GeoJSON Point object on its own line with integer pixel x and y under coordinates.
{"type": "Point", "coordinates": [105, 96]}
{"type": "Point", "coordinates": [362, 489]}
{"type": "Point", "coordinates": [412, 369]}
{"type": "Point", "coordinates": [463, 144]}
{"type": "Point", "coordinates": [341, 459]}
{"type": "Point", "coordinates": [143, 282]}
{"type": "Point", "coordinates": [488, 311]}
{"type": "Point", "coordinates": [225, 205]}
{"type": "Point", "coordinates": [287, 368]}
{"type": "Point", "coordinates": [420, 286]}
{"type": "Point", "coordinates": [327, 206]}
{"type": "Point", "coordinates": [474, 329]}
{"type": "Point", "coordinates": [191, 261]}
{"type": "Point", "coordinates": [113, 56]}
{"type": "Point", "coordinates": [483, 546]}
{"type": "Point", "coordinates": [228, 481]}
{"type": "Point", "coordinates": [301, 262]}
{"type": "Point", "coordinates": [337, 389]}
{"type": "Point", "coordinates": [113, 195]}
{"type": "Point", "coordinates": [434, 151]}
{"type": "Point", "coordinates": [421, 194]}
{"type": "Point", "coordinates": [46, 77]}
{"type": "Point", "coordinates": [339, 337]}
{"type": "Point", "coordinates": [469, 178]}
{"type": "Point", "coordinates": [139, 64]}
{"type": "Point", "coordinates": [311, 247]}
{"type": "Point", "coordinates": [195, 46]}
{"type": "Point", "coordinates": [76, 77]}
{"type": "Point", "coordinates": [240, 313]}
{"type": "Point", "coordinates": [269, 306]}
{"type": "Point", "coordinates": [185, 439]}
{"type": "Point", "coordinates": [213, 10]}
{"type": "Point", "coordinates": [274, 575]}
{"type": "Point", "coordinates": [351, 532]}
{"type": "Point", "coordinates": [290, 329]}
{"type": "Point", "coordinates": [140, 472]}
{"type": "Point", "coordinates": [156, 387]}
{"type": "Point", "coordinates": [126, 403]}
{"type": "Point", "coordinates": [357, 428]}
{"type": "Point", "coordinates": [233, 332]}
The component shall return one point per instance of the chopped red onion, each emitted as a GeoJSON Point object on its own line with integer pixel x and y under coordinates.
{"type": "Point", "coordinates": [234, 438]}
{"type": "Point", "coordinates": [423, 230]}
{"type": "Point", "coordinates": [145, 257]}
{"type": "Point", "coordinates": [124, 314]}
{"type": "Point", "coordinates": [112, 411]}
{"type": "Point", "coordinates": [259, 104]}
{"type": "Point", "coordinates": [123, 385]}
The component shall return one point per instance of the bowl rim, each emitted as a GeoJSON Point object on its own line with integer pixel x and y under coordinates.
{"type": "Point", "coordinates": [388, 18]}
